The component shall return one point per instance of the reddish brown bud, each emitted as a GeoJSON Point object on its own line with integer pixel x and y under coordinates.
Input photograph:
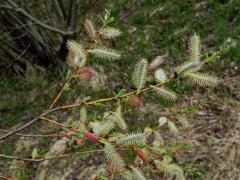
{"type": "Point", "coordinates": [140, 154]}
{"type": "Point", "coordinates": [114, 170]}
{"type": "Point", "coordinates": [9, 177]}
{"type": "Point", "coordinates": [135, 101]}
{"type": "Point", "coordinates": [92, 137]}
{"type": "Point", "coordinates": [80, 141]}
{"type": "Point", "coordinates": [85, 74]}
{"type": "Point", "coordinates": [69, 135]}
{"type": "Point", "coordinates": [66, 135]}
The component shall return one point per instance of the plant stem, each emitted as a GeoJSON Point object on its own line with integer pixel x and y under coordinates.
{"type": "Point", "coordinates": [60, 94]}
{"type": "Point", "coordinates": [49, 158]}
{"type": "Point", "coordinates": [59, 124]}
{"type": "Point", "coordinates": [35, 135]}
{"type": "Point", "coordinates": [75, 106]}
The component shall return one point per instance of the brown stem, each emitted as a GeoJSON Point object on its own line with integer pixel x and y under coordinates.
{"type": "Point", "coordinates": [59, 124]}
{"type": "Point", "coordinates": [35, 135]}
{"type": "Point", "coordinates": [75, 106]}
{"type": "Point", "coordinates": [59, 94]}
{"type": "Point", "coordinates": [48, 158]}
{"type": "Point", "coordinates": [62, 90]}
{"type": "Point", "coordinates": [17, 58]}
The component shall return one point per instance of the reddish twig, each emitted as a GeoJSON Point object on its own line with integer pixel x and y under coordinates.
{"type": "Point", "coordinates": [49, 158]}
{"type": "Point", "coordinates": [34, 135]}
{"type": "Point", "coordinates": [59, 94]}
{"type": "Point", "coordinates": [75, 106]}
{"type": "Point", "coordinates": [59, 124]}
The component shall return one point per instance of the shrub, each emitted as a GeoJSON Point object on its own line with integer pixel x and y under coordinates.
{"type": "Point", "coordinates": [111, 132]}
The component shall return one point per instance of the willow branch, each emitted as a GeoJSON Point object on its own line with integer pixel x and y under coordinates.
{"type": "Point", "coordinates": [75, 106]}
{"type": "Point", "coordinates": [62, 90]}
{"type": "Point", "coordinates": [34, 135]}
{"type": "Point", "coordinates": [59, 94]}
{"type": "Point", "coordinates": [59, 124]}
{"type": "Point", "coordinates": [49, 158]}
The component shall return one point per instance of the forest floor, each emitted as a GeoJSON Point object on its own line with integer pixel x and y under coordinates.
{"type": "Point", "coordinates": [151, 29]}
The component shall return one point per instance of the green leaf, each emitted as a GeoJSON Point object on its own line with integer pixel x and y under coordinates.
{"type": "Point", "coordinates": [69, 75]}
{"type": "Point", "coordinates": [83, 115]}
{"type": "Point", "coordinates": [160, 75]}
{"type": "Point", "coordinates": [120, 93]}
{"type": "Point", "coordinates": [35, 153]}
{"type": "Point", "coordinates": [172, 127]}
{"type": "Point", "coordinates": [158, 139]}
{"type": "Point", "coordinates": [148, 131]}
{"type": "Point", "coordinates": [66, 87]}
{"type": "Point", "coordinates": [162, 121]}
{"type": "Point", "coordinates": [184, 121]}
{"type": "Point", "coordinates": [98, 104]}
{"type": "Point", "coordinates": [118, 119]}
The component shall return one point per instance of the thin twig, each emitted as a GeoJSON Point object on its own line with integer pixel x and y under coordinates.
{"type": "Point", "coordinates": [49, 158]}
{"type": "Point", "coordinates": [67, 82]}
{"type": "Point", "coordinates": [34, 135]}
{"type": "Point", "coordinates": [59, 94]}
{"type": "Point", "coordinates": [24, 126]}
{"type": "Point", "coordinates": [59, 124]}
{"type": "Point", "coordinates": [16, 59]}
{"type": "Point", "coordinates": [75, 106]}
{"type": "Point", "coordinates": [29, 16]}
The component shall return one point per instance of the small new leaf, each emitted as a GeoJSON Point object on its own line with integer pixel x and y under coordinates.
{"type": "Point", "coordinates": [162, 121]}
{"type": "Point", "coordinates": [132, 140]}
{"type": "Point", "coordinates": [117, 117]}
{"type": "Point", "coordinates": [105, 53]}
{"type": "Point", "coordinates": [83, 115]}
{"type": "Point", "coordinates": [139, 74]}
{"type": "Point", "coordinates": [172, 127]}
{"type": "Point", "coordinates": [110, 32]}
{"type": "Point", "coordinates": [113, 157]}
{"type": "Point", "coordinates": [165, 93]}
{"type": "Point", "coordinates": [160, 75]}
{"type": "Point", "coordinates": [184, 121]}
{"type": "Point", "coordinates": [137, 174]}
{"type": "Point", "coordinates": [158, 139]}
